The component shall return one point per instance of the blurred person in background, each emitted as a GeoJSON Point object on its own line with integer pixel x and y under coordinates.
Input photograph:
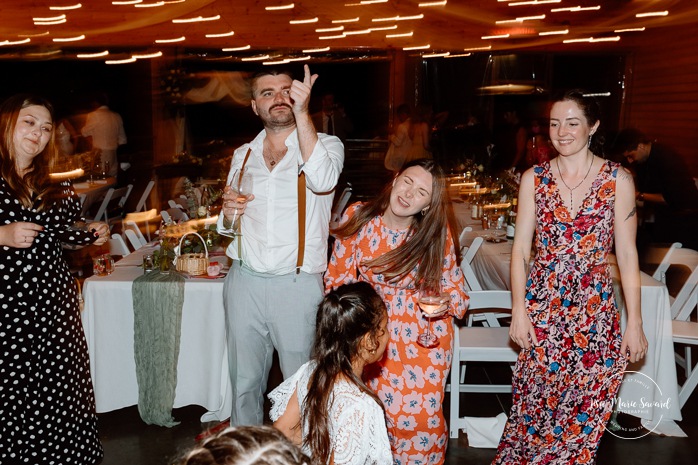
{"type": "Point", "coordinates": [333, 119]}
{"type": "Point", "coordinates": [664, 187]}
{"type": "Point", "coordinates": [400, 142]}
{"type": "Point", "coordinates": [47, 412]}
{"type": "Point", "coordinates": [105, 128]}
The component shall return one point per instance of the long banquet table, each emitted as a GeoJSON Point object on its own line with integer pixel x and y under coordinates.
{"type": "Point", "coordinates": [91, 192]}
{"type": "Point", "coordinates": [202, 368]}
{"type": "Point", "coordinates": [649, 390]}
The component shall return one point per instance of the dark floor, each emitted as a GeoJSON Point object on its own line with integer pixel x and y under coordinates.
{"type": "Point", "coordinates": [128, 441]}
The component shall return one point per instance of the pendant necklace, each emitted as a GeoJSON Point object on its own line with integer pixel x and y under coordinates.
{"type": "Point", "coordinates": [571, 189]}
{"type": "Point", "coordinates": [270, 156]}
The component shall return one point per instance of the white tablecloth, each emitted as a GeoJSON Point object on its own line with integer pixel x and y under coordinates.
{"type": "Point", "coordinates": [202, 369]}
{"type": "Point", "coordinates": [649, 390]}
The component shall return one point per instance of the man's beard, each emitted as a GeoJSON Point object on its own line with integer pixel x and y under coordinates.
{"type": "Point", "coordinates": [281, 120]}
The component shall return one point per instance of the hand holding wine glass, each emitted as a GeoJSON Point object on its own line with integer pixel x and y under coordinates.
{"type": "Point", "coordinates": [235, 197]}
{"type": "Point", "coordinates": [433, 304]}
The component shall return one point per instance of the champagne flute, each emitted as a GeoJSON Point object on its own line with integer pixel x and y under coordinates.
{"type": "Point", "coordinates": [241, 185]}
{"type": "Point", "coordinates": [432, 304]}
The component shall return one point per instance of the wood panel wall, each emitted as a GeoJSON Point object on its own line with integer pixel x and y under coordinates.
{"type": "Point", "coordinates": [662, 92]}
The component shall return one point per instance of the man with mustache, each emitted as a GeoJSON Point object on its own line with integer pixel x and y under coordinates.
{"type": "Point", "coordinates": [275, 283]}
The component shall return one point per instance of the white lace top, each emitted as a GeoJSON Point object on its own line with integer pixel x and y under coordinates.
{"type": "Point", "coordinates": [358, 434]}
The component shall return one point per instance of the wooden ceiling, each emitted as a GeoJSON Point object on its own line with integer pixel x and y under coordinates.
{"type": "Point", "coordinates": [241, 29]}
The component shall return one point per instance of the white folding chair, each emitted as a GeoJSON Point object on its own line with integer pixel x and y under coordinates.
{"type": "Point", "coordinates": [479, 344]}
{"type": "Point", "coordinates": [117, 245]}
{"type": "Point", "coordinates": [101, 214]}
{"type": "Point", "coordinates": [469, 252]}
{"type": "Point", "coordinates": [174, 214]}
{"type": "Point", "coordinates": [134, 235]}
{"type": "Point", "coordinates": [141, 205]}
{"type": "Point", "coordinates": [339, 207]}
{"type": "Point", "coordinates": [686, 332]}
{"type": "Point", "coordinates": [180, 202]}
{"type": "Point", "coordinates": [114, 212]}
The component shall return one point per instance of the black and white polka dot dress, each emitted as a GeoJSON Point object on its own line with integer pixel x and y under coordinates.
{"type": "Point", "coordinates": [47, 413]}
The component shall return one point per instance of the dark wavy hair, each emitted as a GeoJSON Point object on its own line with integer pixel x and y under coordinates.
{"type": "Point", "coordinates": [246, 445]}
{"type": "Point", "coordinates": [345, 316]}
{"type": "Point", "coordinates": [591, 108]}
{"type": "Point", "coordinates": [36, 180]}
{"type": "Point", "coordinates": [424, 249]}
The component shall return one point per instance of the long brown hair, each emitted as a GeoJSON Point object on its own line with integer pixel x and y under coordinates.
{"type": "Point", "coordinates": [426, 242]}
{"type": "Point", "coordinates": [36, 180]}
{"type": "Point", "coordinates": [345, 316]}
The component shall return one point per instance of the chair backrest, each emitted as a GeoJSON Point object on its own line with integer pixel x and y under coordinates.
{"type": "Point", "coordinates": [140, 206]}
{"type": "Point", "coordinates": [179, 202]}
{"type": "Point", "coordinates": [687, 297]}
{"type": "Point", "coordinates": [174, 214]}
{"type": "Point", "coordinates": [134, 235]}
{"type": "Point", "coordinates": [101, 214]}
{"type": "Point", "coordinates": [660, 273]}
{"type": "Point", "coordinates": [340, 206]}
{"type": "Point", "coordinates": [117, 245]}
{"type": "Point", "coordinates": [466, 264]}
{"type": "Point", "coordinates": [124, 197]}
{"type": "Point", "coordinates": [489, 299]}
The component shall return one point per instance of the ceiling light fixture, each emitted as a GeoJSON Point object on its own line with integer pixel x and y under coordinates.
{"type": "Point", "coordinates": [257, 58]}
{"type": "Point", "coordinates": [520, 20]}
{"type": "Point", "coordinates": [16, 42]}
{"type": "Point", "coordinates": [303, 58]}
{"type": "Point", "coordinates": [304, 21]}
{"type": "Point", "coordinates": [428, 4]}
{"type": "Point", "coordinates": [120, 62]}
{"type": "Point", "coordinates": [436, 55]}
{"type": "Point", "coordinates": [149, 5]}
{"type": "Point", "coordinates": [170, 41]}
{"type": "Point", "coordinates": [50, 23]}
{"type": "Point", "coordinates": [330, 29]}
{"type": "Point", "coordinates": [236, 49]}
{"type": "Point", "coordinates": [126, 2]}
{"type": "Point", "coordinates": [69, 39]}
{"type": "Point", "coordinates": [340, 36]}
{"type": "Point", "coordinates": [147, 55]}
{"type": "Point", "coordinates": [348, 20]}
{"type": "Point", "coordinates": [534, 2]}
{"type": "Point", "coordinates": [417, 47]}
{"type": "Point", "coordinates": [52, 18]}
{"type": "Point", "coordinates": [576, 9]}
{"type": "Point", "coordinates": [477, 49]}
{"type": "Point", "coordinates": [38, 34]}
{"type": "Point", "coordinates": [398, 18]}
{"type": "Point", "coordinates": [357, 32]}
{"type": "Point", "coordinates": [276, 62]}
{"type": "Point", "coordinates": [632, 29]}
{"type": "Point", "coordinates": [553, 33]}
{"type": "Point", "coordinates": [384, 28]}
{"type": "Point", "coordinates": [93, 55]}
{"type": "Point", "coordinates": [198, 19]}
{"type": "Point", "coordinates": [316, 50]}
{"type": "Point", "coordinates": [290, 6]}
{"type": "Point", "coordinates": [67, 7]}
{"type": "Point", "coordinates": [499, 36]}
{"type": "Point", "coordinates": [653, 13]}
{"type": "Point", "coordinates": [460, 55]}
{"type": "Point", "coordinates": [222, 34]}
{"type": "Point", "coordinates": [404, 34]}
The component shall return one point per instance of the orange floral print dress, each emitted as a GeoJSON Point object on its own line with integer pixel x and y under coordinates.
{"type": "Point", "coordinates": [563, 389]}
{"type": "Point", "coordinates": [410, 379]}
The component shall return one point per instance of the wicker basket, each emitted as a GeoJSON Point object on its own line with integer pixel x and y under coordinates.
{"type": "Point", "coordinates": [193, 263]}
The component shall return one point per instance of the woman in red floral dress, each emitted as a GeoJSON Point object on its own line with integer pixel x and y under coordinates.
{"type": "Point", "coordinates": [564, 315]}
{"type": "Point", "coordinates": [401, 244]}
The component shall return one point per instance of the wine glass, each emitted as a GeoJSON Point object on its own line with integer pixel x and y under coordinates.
{"type": "Point", "coordinates": [241, 185]}
{"type": "Point", "coordinates": [432, 304]}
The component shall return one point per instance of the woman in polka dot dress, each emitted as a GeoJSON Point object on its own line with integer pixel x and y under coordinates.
{"type": "Point", "coordinates": [400, 243]}
{"type": "Point", "coordinates": [47, 413]}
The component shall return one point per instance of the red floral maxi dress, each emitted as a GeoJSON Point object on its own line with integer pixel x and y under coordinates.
{"type": "Point", "coordinates": [411, 379]}
{"type": "Point", "coordinates": [563, 389]}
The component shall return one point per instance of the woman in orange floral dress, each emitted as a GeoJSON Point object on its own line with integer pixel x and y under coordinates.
{"type": "Point", "coordinates": [564, 314]}
{"type": "Point", "coordinates": [401, 244]}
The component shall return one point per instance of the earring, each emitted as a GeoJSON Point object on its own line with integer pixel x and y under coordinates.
{"type": "Point", "coordinates": [424, 211]}
{"type": "Point", "coordinates": [589, 143]}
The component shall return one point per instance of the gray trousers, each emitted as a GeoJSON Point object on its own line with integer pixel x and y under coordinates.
{"type": "Point", "coordinates": [264, 312]}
